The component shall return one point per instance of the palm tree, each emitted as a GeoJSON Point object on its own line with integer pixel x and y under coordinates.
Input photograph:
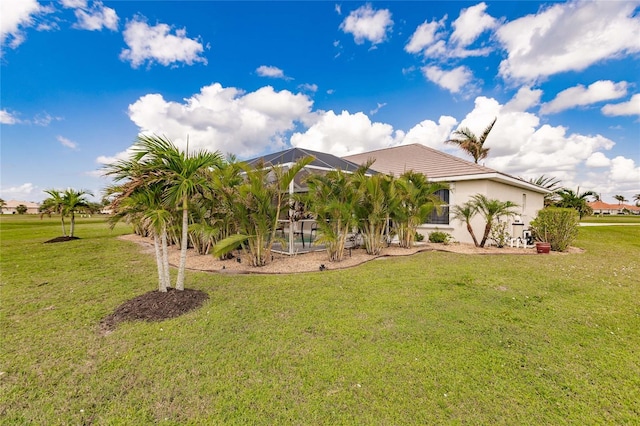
{"type": "Point", "coordinates": [72, 200]}
{"type": "Point", "coordinates": [470, 143]}
{"type": "Point", "coordinates": [620, 199]}
{"type": "Point", "coordinates": [464, 213]}
{"type": "Point", "coordinates": [2, 204]}
{"type": "Point", "coordinates": [331, 199]}
{"type": "Point", "coordinates": [54, 204]}
{"type": "Point", "coordinates": [182, 175]}
{"type": "Point", "coordinates": [141, 204]}
{"type": "Point", "coordinates": [373, 207]}
{"type": "Point", "coordinates": [636, 198]}
{"type": "Point", "coordinates": [575, 200]}
{"type": "Point", "coordinates": [416, 198]}
{"type": "Point", "coordinates": [491, 209]}
{"type": "Point", "coordinates": [257, 204]}
{"type": "Point", "coordinates": [550, 183]}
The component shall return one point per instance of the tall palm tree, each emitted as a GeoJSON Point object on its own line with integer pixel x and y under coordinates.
{"type": "Point", "coordinates": [620, 199]}
{"type": "Point", "coordinates": [416, 198]}
{"type": "Point", "coordinates": [182, 174]}
{"type": "Point", "coordinates": [491, 209]}
{"type": "Point", "coordinates": [575, 200]}
{"type": "Point", "coordinates": [2, 204]}
{"type": "Point", "coordinates": [55, 204]}
{"type": "Point", "coordinates": [636, 198]}
{"type": "Point", "coordinates": [145, 209]}
{"type": "Point", "coordinates": [464, 213]}
{"type": "Point", "coordinates": [472, 144]}
{"type": "Point", "coordinates": [72, 200]}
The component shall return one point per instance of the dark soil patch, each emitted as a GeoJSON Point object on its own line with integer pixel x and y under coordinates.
{"type": "Point", "coordinates": [61, 239]}
{"type": "Point", "coordinates": [155, 306]}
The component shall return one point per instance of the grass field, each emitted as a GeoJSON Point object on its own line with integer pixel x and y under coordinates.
{"type": "Point", "coordinates": [435, 338]}
{"type": "Point", "coordinates": [612, 219]}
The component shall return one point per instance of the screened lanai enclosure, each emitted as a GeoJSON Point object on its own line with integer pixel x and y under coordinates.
{"type": "Point", "coordinates": [296, 227]}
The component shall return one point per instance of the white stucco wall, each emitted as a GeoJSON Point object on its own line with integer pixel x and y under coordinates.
{"type": "Point", "coordinates": [529, 203]}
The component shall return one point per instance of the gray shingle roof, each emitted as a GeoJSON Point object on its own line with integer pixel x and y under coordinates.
{"type": "Point", "coordinates": [322, 160]}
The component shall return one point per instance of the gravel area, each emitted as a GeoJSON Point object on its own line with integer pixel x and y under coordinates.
{"type": "Point", "coordinates": [307, 262]}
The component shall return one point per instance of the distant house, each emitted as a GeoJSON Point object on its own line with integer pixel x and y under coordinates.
{"type": "Point", "coordinates": [11, 206]}
{"type": "Point", "coordinates": [602, 208]}
{"type": "Point", "coordinates": [465, 179]}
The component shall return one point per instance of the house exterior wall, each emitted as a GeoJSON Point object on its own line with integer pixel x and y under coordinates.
{"type": "Point", "coordinates": [529, 203]}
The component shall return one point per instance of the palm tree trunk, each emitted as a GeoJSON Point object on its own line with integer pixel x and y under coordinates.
{"type": "Point", "coordinates": [64, 231]}
{"type": "Point", "coordinates": [473, 235]}
{"type": "Point", "coordinates": [73, 224]}
{"type": "Point", "coordinates": [166, 276]}
{"type": "Point", "coordinates": [156, 245]}
{"type": "Point", "coordinates": [487, 229]}
{"type": "Point", "coordinates": [184, 242]}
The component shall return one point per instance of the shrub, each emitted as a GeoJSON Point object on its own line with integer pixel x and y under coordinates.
{"type": "Point", "coordinates": [418, 237]}
{"type": "Point", "coordinates": [557, 226]}
{"type": "Point", "coordinates": [439, 237]}
{"type": "Point", "coordinates": [499, 233]}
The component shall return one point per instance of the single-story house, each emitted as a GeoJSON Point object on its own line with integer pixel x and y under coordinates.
{"type": "Point", "coordinates": [11, 206]}
{"type": "Point", "coordinates": [465, 180]}
{"type": "Point", "coordinates": [602, 208]}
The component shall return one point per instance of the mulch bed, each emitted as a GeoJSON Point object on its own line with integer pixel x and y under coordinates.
{"type": "Point", "coordinates": [61, 239]}
{"type": "Point", "coordinates": [155, 306]}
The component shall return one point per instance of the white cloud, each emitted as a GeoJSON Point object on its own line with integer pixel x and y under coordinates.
{"type": "Point", "coordinates": [624, 171]}
{"type": "Point", "coordinates": [424, 36]}
{"type": "Point", "coordinates": [540, 45]}
{"type": "Point", "coordinates": [68, 143]}
{"type": "Point", "coordinates": [156, 44]}
{"type": "Point", "coordinates": [74, 4]}
{"type": "Point", "coordinates": [472, 22]}
{"type": "Point", "coordinates": [524, 99]}
{"type": "Point", "coordinates": [520, 145]}
{"type": "Point", "coordinates": [453, 80]}
{"type": "Point", "coordinates": [96, 18]}
{"type": "Point", "coordinates": [308, 87]}
{"type": "Point", "coordinates": [598, 159]}
{"type": "Point", "coordinates": [367, 24]}
{"type": "Point", "coordinates": [44, 119]}
{"type": "Point", "coordinates": [21, 192]}
{"type": "Point", "coordinates": [346, 134]}
{"type": "Point", "coordinates": [378, 107]}
{"type": "Point", "coordinates": [17, 15]}
{"type": "Point", "coordinates": [8, 118]}
{"type": "Point", "coordinates": [579, 95]}
{"type": "Point", "coordinates": [430, 133]}
{"type": "Point", "coordinates": [270, 71]}
{"type": "Point", "coordinates": [632, 107]}
{"type": "Point", "coordinates": [224, 119]}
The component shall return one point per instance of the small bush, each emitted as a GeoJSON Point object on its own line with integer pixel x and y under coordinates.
{"type": "Point", "coordinates": [439, 237]}
{"type": "Point", "coordinates": [557, 226]}
{"type": "Point", "coordinates": [418, 237]}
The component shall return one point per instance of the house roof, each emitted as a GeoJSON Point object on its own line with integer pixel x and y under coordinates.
{"type": "Point", "coordinates": [601, 205]}
{"type": "Point", "coordinates": [436, 165]}
{"type": "Point", "coordinates": [12, 204]}
{"type": "Point", "coordinates": [321, 160]}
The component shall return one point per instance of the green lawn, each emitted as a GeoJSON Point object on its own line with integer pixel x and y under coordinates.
{"type": "Point", "coordinates": [612, 219]}
{"type": "Point", "coordinates": [428, 339]}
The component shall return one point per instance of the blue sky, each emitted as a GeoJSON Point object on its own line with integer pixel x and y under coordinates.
{"type": "Point", "coordinates": [81, 79]}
